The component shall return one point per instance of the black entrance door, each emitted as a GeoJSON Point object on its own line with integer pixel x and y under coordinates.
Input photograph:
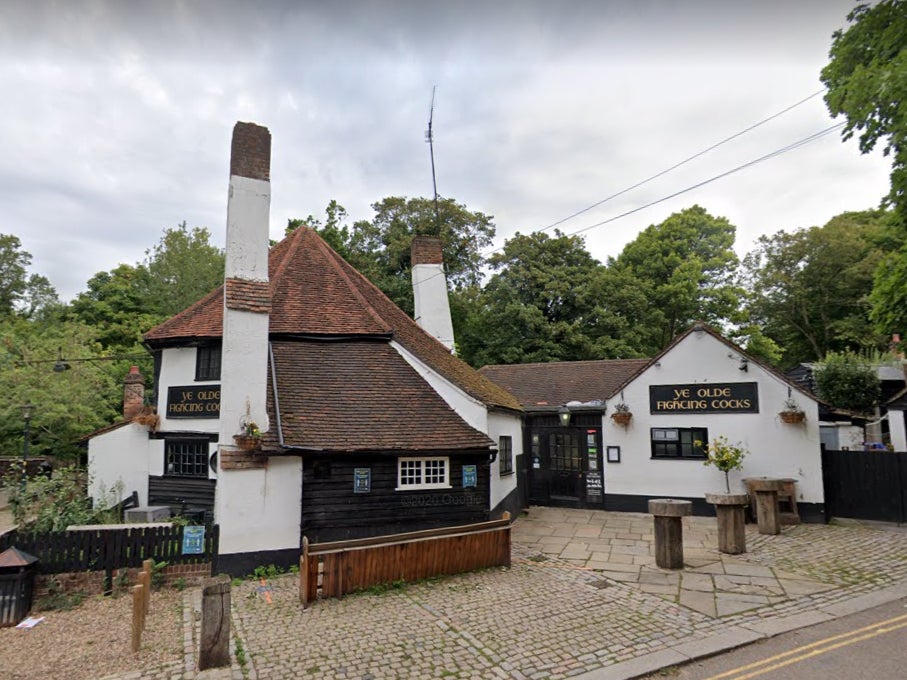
{"type": "Point", "coordinates": [565, 466]}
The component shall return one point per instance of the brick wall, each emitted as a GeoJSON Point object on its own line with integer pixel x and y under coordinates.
{"type": "Point", "coordinates": [250, 153]}
{"type": "Point", "coordinates": [426, 250]}
{"type": "Point", "coordinates": [92, 582]}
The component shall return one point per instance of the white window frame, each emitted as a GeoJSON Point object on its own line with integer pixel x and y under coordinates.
{"type": "Point", "coordinates": [418, 465]}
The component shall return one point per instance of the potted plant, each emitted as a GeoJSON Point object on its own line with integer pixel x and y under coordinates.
{"type": "Point", "coordinates": [792, 413]}
{"type": "Point", "coordinates": [621, 414]}
{"type": "Point", "coordinates": [249, 439]}
{"type": "Point", "coordinates": [728, 506]}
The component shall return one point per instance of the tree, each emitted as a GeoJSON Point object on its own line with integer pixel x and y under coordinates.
{"type": "Point", "coordinates": [180, 270]}
{"type": "Point", "coordinates": [14, 263]}
{"type": "Point", "coordinates": [809, 289]}
{"type": "Point", "coordinates": [380, 248]}
{"type": "Point", "coordinates": [889, 294]}
{"type": "Point", "coordinates": [685, 269]}
{"type": "Point", "coordinates": [866, 79]}
{"type": "Point", "coordinates": [537, 306]}
{"type": "Point", "coordinates": [848, 381]}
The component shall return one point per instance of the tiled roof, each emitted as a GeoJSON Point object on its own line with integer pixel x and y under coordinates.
{"type": "Point", "coordinates": [559, 382]}
{"type": "Point", "coordinates": [315, 292]}
{"type": "Point", "coordinates": [360, 395]}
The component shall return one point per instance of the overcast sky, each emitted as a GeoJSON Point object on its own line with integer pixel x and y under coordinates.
{"type": "Point", "coordinates": [115, 120]}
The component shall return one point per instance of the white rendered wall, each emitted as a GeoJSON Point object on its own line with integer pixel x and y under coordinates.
{"type": "Point", "coordinates": [248, 219]}
{"type": "Point", "coordinates": [432, 306]}
{"type": "Point", "coordinates": [120, 456]}
{"type": "Point", "coordinates": [897, 429]}
{"type": "Point", "coordinates": [178, 368]}
{"type": "Point", "coordinates": [776, 449]}
{"type": "Point", "coordinates": [504, 425]}
{"type": "Point", "coordinates": [263, 507]}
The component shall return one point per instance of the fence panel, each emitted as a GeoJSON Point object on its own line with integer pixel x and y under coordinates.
{"type": "Point", "coordinates": [348, 566]}
{"type": "Point", "coordinates": [868, 485]}
{"type": "Point", "coordinates": [106, 549]}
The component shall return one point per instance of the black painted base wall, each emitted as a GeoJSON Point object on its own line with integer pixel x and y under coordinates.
{"type": "Point", "coordinates": [510, 504]}
{"type": "Point", "coordinates": [810, 513]}
{"type": "Point", "coordinates": [240, 565]}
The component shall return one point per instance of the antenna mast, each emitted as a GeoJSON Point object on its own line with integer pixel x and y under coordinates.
{"type": "Point", "coordinates": [429, 137]}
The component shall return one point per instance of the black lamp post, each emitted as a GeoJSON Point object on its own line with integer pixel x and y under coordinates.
{"type": "Point", "coordinates": [27, 411]}
{"type": "Point", "coordinates": [563, 414]}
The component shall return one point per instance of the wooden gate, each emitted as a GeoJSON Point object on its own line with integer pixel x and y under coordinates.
{"type": "Point", "coordinates": [865, 485]}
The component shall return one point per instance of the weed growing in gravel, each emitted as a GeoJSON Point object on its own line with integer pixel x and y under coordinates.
{"type": "Point", "coordinates": [57, 599]}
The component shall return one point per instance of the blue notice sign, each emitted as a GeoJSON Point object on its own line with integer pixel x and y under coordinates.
{"type": "Point", "coordinates": [470, 477]}
{"type": "Point", "coordinates": [362, 480]}
{"type": "Point", "coordinates": [193, 540]}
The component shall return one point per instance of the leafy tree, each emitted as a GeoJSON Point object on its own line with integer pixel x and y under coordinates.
{"type": "Point", "coordinates": [537, 306]}
{"type": "Point", "coordinates": [809, 289]}
{"type": "Point", "coordinates": [380, 248]}
{"type": "Point", "coordinates": [13, 280]}
{"type": "Point", "coordinates": [685, 269]}
{"type": "Point", "coordinates": [180, 270]}
{"type": "Point", "coordinates": [848, 381]}
{"type": "Point", "coordinates": [889, 294]}
{"type": "Point", "coordinates": [866, 79]}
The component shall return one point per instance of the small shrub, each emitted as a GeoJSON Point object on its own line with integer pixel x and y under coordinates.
{"type": "Point", "coordinates": [724, 456]}
{"type": "Point", "coordinates": [179, 583]}
{"type": "Point", "coordinates": [57, 599]}
{"type": "Point", "coordinates": [158, 577]}
{"type": "Point", "coordinates": [267, 572]}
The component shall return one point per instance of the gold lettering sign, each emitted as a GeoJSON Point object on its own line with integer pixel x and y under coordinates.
{"type": "Point", "coordinates": [193, 402]}
{"type": "Point", "coordinates": [704, 398]}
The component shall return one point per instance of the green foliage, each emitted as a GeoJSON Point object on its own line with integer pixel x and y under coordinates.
{"type": "Point", "coordinates": [179, 583]}
{"type": "Point", "coordinates": [158, 576]}
{"type": "Point", "coordinates": [54, 503]}
{"type": "Point", "coordinates": [889, 294]}
{"type": "Point", "coordinates": [847, 380]}
{"type": "Point", "coordinates": [380, 248]}
{"type": "Point", "coordinates": [57, 599]}
{"type": "Point", "coordinates": [684, 269]}
{"type": "Point", "coordinates": [809, 290]}
{"type": "Point", "coordinates": [270, 571]}
{"type": "Point", "coordinates": [13, 280]}
{"type": "Point", "coordinates": [866, 79]}
{"type": "Point", "coordinates": [724, 456]}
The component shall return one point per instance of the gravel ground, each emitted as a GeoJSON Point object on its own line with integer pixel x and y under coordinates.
{"type": "Point", "coordinates": [94, 640]}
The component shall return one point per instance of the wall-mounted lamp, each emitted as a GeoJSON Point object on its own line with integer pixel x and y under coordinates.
{"type": "Point", "coordinates": [744, 364]}
{"type": "Point", "coordinates": [563, 415]}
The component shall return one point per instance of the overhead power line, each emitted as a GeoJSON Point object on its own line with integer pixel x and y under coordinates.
{"type": "Point", "coordinates": [685, 161]}
{"type": "Point", "coordinates": [755, 161]}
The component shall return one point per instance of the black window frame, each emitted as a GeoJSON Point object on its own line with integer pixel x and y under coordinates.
{"type": "Point", "coordinates": [505, 455]}
{"type": "Point", "coordinates": [681, 447]}
{"type": "Point", "coordinates": [186, 464]}
{"type": "Point", "coordinates": [208, 362]}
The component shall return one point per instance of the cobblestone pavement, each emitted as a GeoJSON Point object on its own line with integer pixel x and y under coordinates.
{"type": "Point", "coordinates": [583, 598]}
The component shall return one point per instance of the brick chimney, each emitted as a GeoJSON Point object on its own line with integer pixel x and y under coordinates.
{"type": "Point", "coordinates": [133, 393]}
{"type": "Point", "coordinates": [432, 307]}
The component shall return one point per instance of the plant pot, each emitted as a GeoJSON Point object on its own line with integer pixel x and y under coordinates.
{"type": "Point", "coordinates": [247, 442]}
{"type": "Point", "coordinates": [622, 418]}
{"type": "Point", "coordinates": [792, 416]}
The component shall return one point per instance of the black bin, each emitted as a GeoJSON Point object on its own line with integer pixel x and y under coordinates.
{"type": "Point", "coordinates": [17, 585]}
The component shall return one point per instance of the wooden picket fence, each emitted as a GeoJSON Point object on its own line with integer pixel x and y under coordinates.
{"type": "Point", "coordinates": [344, 567]}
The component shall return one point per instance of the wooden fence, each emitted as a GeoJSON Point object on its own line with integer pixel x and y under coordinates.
{"type": "Point", "coordinates": [866, 485]}
{"type": "Point", "coordinates": [348, 566]}
{"type": "Point", "coordinates": [110, 547]}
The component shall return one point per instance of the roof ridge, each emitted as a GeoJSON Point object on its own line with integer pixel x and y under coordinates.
{"type": "Point", "coordinates": [292, 245]}
{"type": "Point", "coordinates": [179, 316]}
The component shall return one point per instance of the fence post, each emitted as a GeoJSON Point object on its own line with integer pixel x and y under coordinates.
{"type": "Point", "coordinates": [145, 582]}
{"type": "Point", "coordinates": [214, 643]}
{"type": "Point", "coordinates": [304, 573]}
{"type": "Point", "coordinates": [138, 616]}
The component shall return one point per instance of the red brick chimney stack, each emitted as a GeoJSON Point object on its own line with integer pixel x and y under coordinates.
{"type": "Point", "coordinates": [133, 393]}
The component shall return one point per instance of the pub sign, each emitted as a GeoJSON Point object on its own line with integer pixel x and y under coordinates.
{"type": "Point", "coordinates": [704, 398]}
{"type": "Point", "coordinates": [193, 401]}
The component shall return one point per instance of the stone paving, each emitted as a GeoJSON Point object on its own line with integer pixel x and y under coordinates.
{"type": "Point", "coordinates": [583, 598]}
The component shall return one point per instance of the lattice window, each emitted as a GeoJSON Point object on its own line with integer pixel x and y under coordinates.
{"type": "Point", "coordinates": [422, 473]}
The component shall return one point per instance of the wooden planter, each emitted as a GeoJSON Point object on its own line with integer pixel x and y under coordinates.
{"type": "Point", "coordinates": [247, 442]}
{"type": "Point", "coordinates": [792, 416]}
{"type": "Point", "coordinates": [622, 418]}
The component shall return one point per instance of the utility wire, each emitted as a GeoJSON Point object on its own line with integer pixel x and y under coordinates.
{"type": "Point", "coordinates": [768, 156]}
{"type": "Point", "coordinates": [683, 162]}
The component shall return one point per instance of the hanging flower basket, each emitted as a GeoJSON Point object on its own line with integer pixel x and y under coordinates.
{"type": "Point", "coordinates": [247, 442]}
{"type": "Point", "coordinates": [792, 416]}
{"type": "Point", "coordinates": [622, 417]}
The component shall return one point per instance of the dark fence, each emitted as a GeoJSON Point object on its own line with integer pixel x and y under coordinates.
{"type": "Point", "coordinates": [108, 549]}
{"type": "Point", "coordinates": [865, 485]}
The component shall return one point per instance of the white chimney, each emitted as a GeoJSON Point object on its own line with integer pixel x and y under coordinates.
{"type": "Point", "coordinates": [247, 297]}
{"type": "Point", "coordinates": [432, 307]}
